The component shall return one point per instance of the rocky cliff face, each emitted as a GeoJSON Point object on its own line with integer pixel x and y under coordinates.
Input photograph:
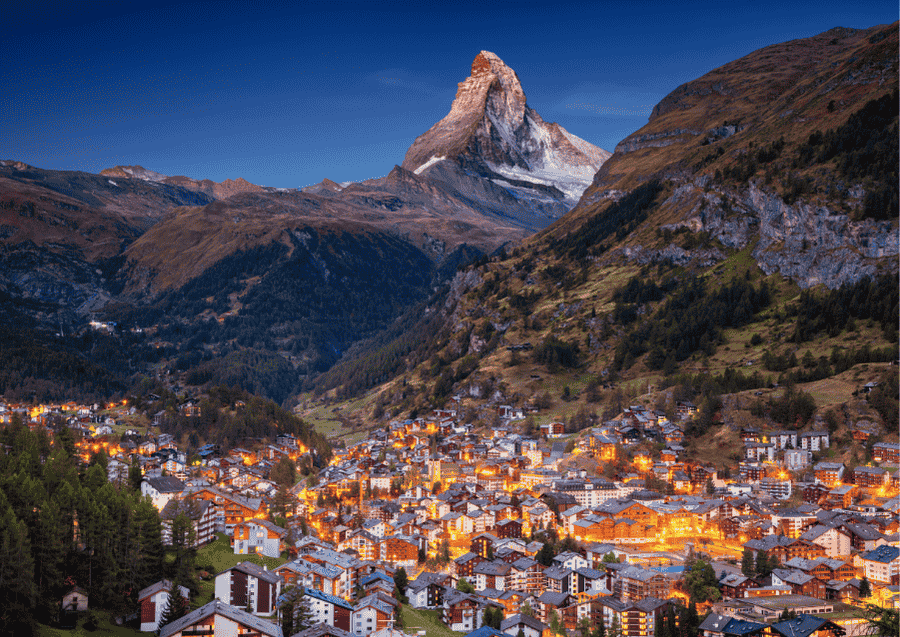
{"type": "Point", "coordinates": [491, 132]}
{"type": "Point", "coordinates": [808, 243]}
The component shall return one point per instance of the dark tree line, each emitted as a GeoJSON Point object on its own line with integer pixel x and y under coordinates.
{"type": "Point", "coordinates": [42, 367]}
{"type": "Point", "coordinates": [554, 353]}
{"type": "Point", "coordinates": [833, 311]}
{"type": "Point", "coordinates": [62, 525]}
{"type": "Point", "coordinates": [309, 302]}
{"type": "Point", "coordinates": [865, 149]}
{"type": "Point", "coordinates": [690, 320]}
{"type": "Point", "coordinates": [229, 414]}
{"type": "Point", "coordinates": [728, 382]}
{"type": "Point", "coordinates": [811, 368]}
{"type": "Point", "coordinates": [642, 289]}
{"type": "Point", "coordinates": [619, 219]}
{"type": "Point", "coordinates": [794, 407]}
{"type": "Point", "coordinates": [407, 341]}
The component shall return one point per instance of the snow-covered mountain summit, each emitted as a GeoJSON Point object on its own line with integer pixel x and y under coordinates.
{"type": "Point", "coordinates": [491, 132]}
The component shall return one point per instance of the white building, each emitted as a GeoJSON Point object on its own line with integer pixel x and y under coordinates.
{"type": "Point", "coordinates": [880, 564]}
{"type": "Point", "coordinates": [153, 600]}
{"type": "Point", "coordinates": [161, 490]}
{"type": "Point", "coordinates": [795, 459]}
{"type": "Point", "coordinates": [814, 440]}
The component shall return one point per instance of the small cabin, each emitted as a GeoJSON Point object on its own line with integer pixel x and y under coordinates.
{"type": "Point", "coordinates": [76, 600]}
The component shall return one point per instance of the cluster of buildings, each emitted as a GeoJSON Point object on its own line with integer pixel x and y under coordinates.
{"type": "Point", "coordinates": [479, 500]}
{"type": "Point", "coordinates": [468, 517]}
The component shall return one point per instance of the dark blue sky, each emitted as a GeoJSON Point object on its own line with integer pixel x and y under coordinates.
{"type": "Point", "coordinates": [286, 94]}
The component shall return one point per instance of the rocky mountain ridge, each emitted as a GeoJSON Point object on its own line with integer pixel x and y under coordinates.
{"type": "Point", "coordinates": [216, 190]}
{"type": "Point", "coordinates": [491, 132]}
{"type": "Point", "coordinates": [734, 176]}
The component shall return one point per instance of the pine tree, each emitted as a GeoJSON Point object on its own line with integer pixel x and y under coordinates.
{"type": "Point", "coordinates": [689, 620]}
{"type": "Point", "coordinates": [175, 608]}
{"type": "Point", "coordinates": [498, 618]}
{"type": "Point", "coordinates": [556, 626]}
{"type": "Point", "coordinates": [50, 558]}
{"type": "Point", "coordinates": [584, 626]}
{"type": "Point", "coordinates": [762, 566]}
{"type": "Point", "coordinates": [786, 615]}
{"type": "Point", "coordinates": [671, 623]}
{"type": "Point", "coordinates": [401, 581]}
{"type": "Point", "coordinates": [184, 541]}
{"type": "Point", "coordinates": [747, 566]}
{"type": "Point", "coordinates": [487, 617]}
{"type": "Point", "coordinates": [150, 552]}
{"type": "Point", "coordinates": [884, 621]}
{"type": "Point", "coordinates": [285, 609]}
{"type": "Point", "coordinates": [17, 594]}
{"type": "Point", "coordinates": [615, 627]}
{"type": "Point", "coordinates": [865, 588]}
{"type": "Point", "coordinates": [701, 583]}
{"type": "Point", "coordinates": [135, 474]}
{"type": "Point", "coordinates": [545, 555]}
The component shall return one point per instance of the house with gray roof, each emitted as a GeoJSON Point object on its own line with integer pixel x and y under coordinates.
{"type": "Point", "coordinates": [220, 618]}
{"type": "Point", "coordinates": [529, 626]}
{"type": "Point", "coordinates": [161, 490]}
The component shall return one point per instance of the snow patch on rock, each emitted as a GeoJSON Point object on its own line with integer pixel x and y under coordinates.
{"type": "Point", "coordinates": [428, 163]}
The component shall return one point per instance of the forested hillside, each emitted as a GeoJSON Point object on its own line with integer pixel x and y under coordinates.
{"type": "Point", "coordinates": [63, 523]}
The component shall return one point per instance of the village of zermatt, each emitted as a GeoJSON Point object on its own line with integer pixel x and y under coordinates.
{"type": "Point", "coordinates": [618, 359]}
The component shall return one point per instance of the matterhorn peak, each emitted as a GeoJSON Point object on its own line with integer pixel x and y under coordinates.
{"type": "Point", "coordinates": [490, 130]}
{"type": "Point", "coordinates": [491, 84]}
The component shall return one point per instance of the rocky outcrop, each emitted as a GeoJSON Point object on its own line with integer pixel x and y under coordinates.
{"type": "Point", "coordinates": [721, 137]}
{"type": "Point", "coordinates": [652, 140]}
{"type": "Point", "coordinates": [674, 254]}
{"type": "Point", "coordinates": [811, 244]}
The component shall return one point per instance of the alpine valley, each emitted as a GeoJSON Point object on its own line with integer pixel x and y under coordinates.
{"type": "Point", "coordinates": [747, 235]}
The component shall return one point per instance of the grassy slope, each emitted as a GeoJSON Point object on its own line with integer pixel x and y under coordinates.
{"type": "Point", "coordinates": [427, 620]}
{"type": "Point", "coordinates": [220, 556]}
{"type": "Point", "coordinates": [104, 627]}
{"type": "Point", "coordinates": [639, 383]}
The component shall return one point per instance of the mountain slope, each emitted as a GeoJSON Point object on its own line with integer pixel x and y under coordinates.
{"type": "Point", "coordinates": [735, 144]}
{"type": "Point", "coordinates": [704, 245]}
{"type": "Point", "coordinates": [60, 232]}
